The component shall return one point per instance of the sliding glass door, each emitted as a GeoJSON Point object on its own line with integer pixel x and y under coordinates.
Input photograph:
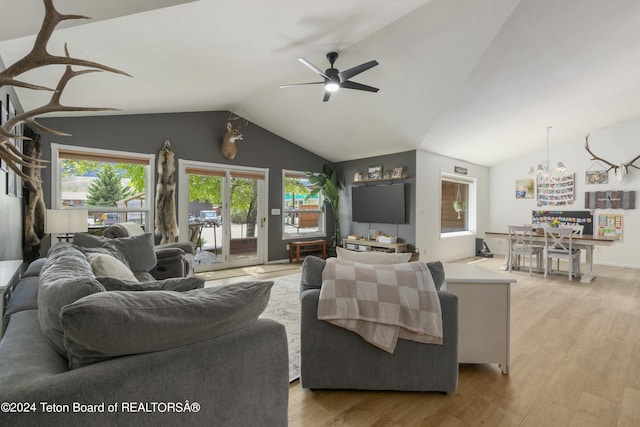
{"type": "Point", "coordinates": [224, 210]}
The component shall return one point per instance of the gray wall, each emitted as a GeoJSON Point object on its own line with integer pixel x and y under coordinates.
{"type": "Point", "coordinates": [194, 136]}
{"type": "Point", "coordinates": [346, 170]}
{"type": "Point", "coordinates": [11, 235]}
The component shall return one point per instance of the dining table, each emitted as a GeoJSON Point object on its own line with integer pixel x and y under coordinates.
{"type": "Point", "coordinates": [586, 242]}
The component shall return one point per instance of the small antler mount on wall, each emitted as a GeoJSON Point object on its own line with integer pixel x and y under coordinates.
{"type": "Point", "coordinates": [621, 170]}
{"type": "Point", "coordinates": [229, 147]}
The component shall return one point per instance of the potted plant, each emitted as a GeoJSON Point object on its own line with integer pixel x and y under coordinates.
{"type": "Point", "coordinates": [459, 206]}
{"type": "Point", "coordinates": [328, 183]}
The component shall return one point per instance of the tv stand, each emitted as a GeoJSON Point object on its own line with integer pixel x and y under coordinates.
{"type": "Point", "coordinates": [375, 245]}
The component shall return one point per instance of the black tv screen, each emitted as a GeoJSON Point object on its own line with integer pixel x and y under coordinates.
{"type": "Point", "coordinates": [378, 203]}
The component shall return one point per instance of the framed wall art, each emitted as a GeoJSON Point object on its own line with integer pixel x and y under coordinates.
{"type": "Point", "coordinates": [556, 191]}
{"type": "Point", "coordinates": [596, 174]}
{"type": "Point", "coordinates": [525, 188]}
{"type": "Point", "coordinates": [610, 225]}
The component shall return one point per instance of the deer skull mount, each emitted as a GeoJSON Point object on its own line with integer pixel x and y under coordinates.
{"type": "Point", "coordinates": [36, 58]}
{"type": "Point", "coordinates": [621, 170]}
{"type": "Point", "coordinates": [229, 148]}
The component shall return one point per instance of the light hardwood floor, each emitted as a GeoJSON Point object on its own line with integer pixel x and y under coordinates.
{"type": "Point", "coordinates": [575, 361]}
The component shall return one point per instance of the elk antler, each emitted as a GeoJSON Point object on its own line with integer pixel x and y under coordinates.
{"type": "Point", "coordinates": [624, 167]}
{"type": "Point", "coordinates": [36, 58]}
{"type": "Point", "coordinates": [594, 157]}
{"type": "Point", "coordinates": [40, 57]}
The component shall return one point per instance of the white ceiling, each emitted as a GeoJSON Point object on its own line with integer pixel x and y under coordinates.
{"type": "Point", "coordinates": [477, 80]}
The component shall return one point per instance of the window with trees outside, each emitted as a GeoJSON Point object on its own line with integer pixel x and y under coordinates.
{"type": "Point", "coordinates": [113, 186]}
{"type": "Point", "coordinates": [302, 215]}
{"type": "Point", "coordinates": [457, 205]}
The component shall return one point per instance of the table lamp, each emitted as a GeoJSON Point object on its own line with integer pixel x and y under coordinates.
{"type": "Point", "coordinates": [65, 221]}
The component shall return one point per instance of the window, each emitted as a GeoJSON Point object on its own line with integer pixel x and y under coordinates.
{"type": "Point", "coordinates": [302, 214]}
{"type": "Point", "coordinates": [113, 186]}
{"type": "Point", "coordinates": [457, 205]}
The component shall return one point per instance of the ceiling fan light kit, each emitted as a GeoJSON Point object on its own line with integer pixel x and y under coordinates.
{"type": "Point", "coordinates": [335, 80]}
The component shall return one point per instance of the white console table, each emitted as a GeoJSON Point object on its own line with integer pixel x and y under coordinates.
{"type": "Point", "coordinates": [484, 311]}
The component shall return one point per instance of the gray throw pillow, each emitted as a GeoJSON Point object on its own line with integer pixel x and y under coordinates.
{"type": "Point", "coordinates": [311, 277]}
{"type": "Point", "coordinates": [177, 284]}
{"type": "Point", "coordinates": [138, 250]}
{"type": "Point", "coordinates": [437, 272]}
{"type": "Point", "coordinates": [66, 277]}
{"type": "Point", "coordinates": [112, 324]}
{"type": "Point", "coordinates": [108, 250]}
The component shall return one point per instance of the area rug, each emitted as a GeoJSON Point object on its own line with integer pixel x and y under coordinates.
{"type": "Point", "coordinates": [253, 270]}
{"type": "Point", "coordinates": [284, 307]}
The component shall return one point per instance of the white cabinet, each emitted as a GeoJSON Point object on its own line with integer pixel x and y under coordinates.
{"type": "Point", "coordinates": [484, 311]}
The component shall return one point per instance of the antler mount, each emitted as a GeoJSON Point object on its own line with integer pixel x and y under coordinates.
{"type": "Point", "coordinates": [36, 58]}
{"type": "Point", "coordinates": [620, 169]}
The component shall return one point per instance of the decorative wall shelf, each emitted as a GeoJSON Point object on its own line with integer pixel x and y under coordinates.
{"type": "Point", "coordinates": [366, 181]}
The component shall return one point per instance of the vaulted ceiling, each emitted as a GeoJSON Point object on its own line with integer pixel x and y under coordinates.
{"type": "Point", "coordinates": [477, 80]}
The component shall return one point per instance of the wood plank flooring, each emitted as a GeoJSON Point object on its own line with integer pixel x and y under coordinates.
{"type": "Point", "coordinates": [575, 361]}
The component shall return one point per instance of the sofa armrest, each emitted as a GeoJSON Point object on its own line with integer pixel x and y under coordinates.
{"type": "Point", "coordinates": [236, 379]}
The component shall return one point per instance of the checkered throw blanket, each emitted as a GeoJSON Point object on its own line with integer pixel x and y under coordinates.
{"type": "Point", "coordinates": [382, 303]}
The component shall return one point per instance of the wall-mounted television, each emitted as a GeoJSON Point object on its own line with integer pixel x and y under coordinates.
{"type": "Point", "coordinates": [378, 203]}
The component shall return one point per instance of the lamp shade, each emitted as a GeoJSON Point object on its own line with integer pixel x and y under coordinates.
{"type": "Point", "coordinates": [59, 221]}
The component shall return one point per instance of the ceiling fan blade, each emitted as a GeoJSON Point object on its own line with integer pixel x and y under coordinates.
{"type": "Point", "coordinates": [352, 72]}
{"type": "Point", "coordinates": [301, 84]}
{"type": "Point", "coordinates": [313, 68]}
{"type": "Point", "coordinates": [358, 86]}
{"type": "Point", "coordinates": [327, 95]}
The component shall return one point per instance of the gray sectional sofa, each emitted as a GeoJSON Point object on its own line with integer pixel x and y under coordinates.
{"type": "Point", "coordinates": [336, 358]}
{"type": "Point", "coordinates": [77, 352]}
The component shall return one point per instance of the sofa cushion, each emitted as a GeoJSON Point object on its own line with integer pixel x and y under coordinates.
{"type": "Point", "coordinates": [103, 265]}
{"type": "Point", "coordinates": [372, 257]}
{"type": "Point", "coordinates": [112, 324]}
{"type": "Point", "coordinates": [138, 250]}
{"type": "Point", "coordinates": [65, 277]}
{"type": "Point", "coordinates": [34, 268]}
{"type": "Point", "coordinates": [178, 284]}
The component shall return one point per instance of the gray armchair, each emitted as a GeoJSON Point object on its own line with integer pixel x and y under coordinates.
{"type": "Point", "coordinates": [335, 358]}
{"type": "Point", "coordinates": [174, 259]}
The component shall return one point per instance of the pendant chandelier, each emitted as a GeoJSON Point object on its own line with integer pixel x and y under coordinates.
{"type": "Point", "coordinates": [543, 171]}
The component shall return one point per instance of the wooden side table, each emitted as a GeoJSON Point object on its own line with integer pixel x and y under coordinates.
{"type": "Point", "coordinates": [309, 246]}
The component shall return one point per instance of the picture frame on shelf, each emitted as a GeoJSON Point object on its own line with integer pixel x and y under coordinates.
{"type": "Point", "coordinates": [397, 172]}
{"type": "Point", "coordinates": [357, 177]}
{"type": "Point", "coordinates": [374, 172]}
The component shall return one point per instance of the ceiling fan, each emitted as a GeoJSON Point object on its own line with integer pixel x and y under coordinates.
{"type": "Point", "coordinates": [334, 79]}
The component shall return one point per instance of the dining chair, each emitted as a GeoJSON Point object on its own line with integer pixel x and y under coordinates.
{"type": "Point", "coordinates": [577, 229]}
{"type": "Point", "coordinates": [559, 245]}
{"type": "Point", "coordinates": [521, 245]}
